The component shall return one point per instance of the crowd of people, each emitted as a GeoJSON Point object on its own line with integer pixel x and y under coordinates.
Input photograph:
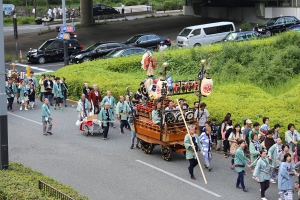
{"type": "Point", "coordinates": [256, 146]}
{"type": "Point", "coordinates": [26, 91]}
{"type": "Point", "coordinates": [268, 158]}
{"type": "Point", "coordinates": [57, 12]}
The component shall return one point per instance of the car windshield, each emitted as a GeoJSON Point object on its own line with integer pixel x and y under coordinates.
{"type": "Point", "coordinates": [133, 39]}
{"type": "Point", "coordinates": [271, 22]}
{"type": "Point", "coordinates": [231, 36]}
{"type": "Point", "coordinates": [185, 32]}
{"type": "Point", "coordinates": [45, 45]}
{"type": "Point", "coordinates": [114, 53]}
{"type": "Point", "coordinates": [93, 47]}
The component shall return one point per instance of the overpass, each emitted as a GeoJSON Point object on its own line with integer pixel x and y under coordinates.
{"type": "Point", "coordinates": [252, 11]}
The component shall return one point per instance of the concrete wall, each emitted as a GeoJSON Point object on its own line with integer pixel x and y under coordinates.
{"type": "Point", "coordinates": [271, 12]}
{"type": "Point", "coordinates": [246, 14]}
{"type": "Point", "coordinates": [188, 10]}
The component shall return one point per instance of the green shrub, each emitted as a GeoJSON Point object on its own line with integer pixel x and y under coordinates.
{"type": "Point", "coordinates": [144, 2]}
{"type": "Point", "coordinates": [26, 20]}
{"type": "Point", "coordinates": [131, 3]}
{"type": "Point", "coordinates": [171, 5]}
{"type": "Point", "coordinates": [19, 182]}
{"type": "Point", "coordinates": [246, 26]}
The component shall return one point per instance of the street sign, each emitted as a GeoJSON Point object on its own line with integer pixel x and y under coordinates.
{"type": "Point", "coordinates": [61, 36]}
{"type": "Point", "coordinates": [66, 36]}
{"type": "Point", "coordinates": [66, 29]}
{"type": "Point", "coordinates": [7, 12]}
{"type": "Point", "coordinates": [8, 7]}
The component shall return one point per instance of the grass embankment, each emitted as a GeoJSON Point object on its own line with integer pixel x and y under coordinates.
{"type": "Point", "coordinates": [251, 79]}
{"type": "Point", "coordinates": [19, 182]}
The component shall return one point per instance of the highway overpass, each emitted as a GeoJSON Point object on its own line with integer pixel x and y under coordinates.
{"type": "Point", "coordinates": [253, 11]}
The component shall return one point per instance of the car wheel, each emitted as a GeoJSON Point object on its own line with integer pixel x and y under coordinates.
{"type": "Point", "coordinates": [41, 60]}
{"type": "Point", "coordinates": [86, 59]}
{"type": "Point", "coordinates": [268, 33]}
{"type": "Point", "coordinates": [197, 45]}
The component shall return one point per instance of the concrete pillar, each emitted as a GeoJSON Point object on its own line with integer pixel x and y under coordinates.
{"type": "Point", "coordinates": [260, 9]}
{"type": "Point", "coordinates": [86, 8]}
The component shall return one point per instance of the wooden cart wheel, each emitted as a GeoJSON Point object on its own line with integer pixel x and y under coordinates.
{"type": "Point", "coordinates": [85, 129]}
{"type": "Point", "coordinates": [166, 153]}
{"type": "Point", "coordinates": [147, 147]}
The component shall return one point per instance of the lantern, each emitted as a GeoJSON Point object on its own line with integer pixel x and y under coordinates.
{"type": "Point", "coordinates": [206, 86]}
{"type": "Point", "coordinates": [9, 74]}
{"type": "Point", "coordinates": [161, 88]}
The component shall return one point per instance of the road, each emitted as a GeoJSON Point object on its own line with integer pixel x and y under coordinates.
{"type": "Point", "coordinates": [23, 29]}
{"type": "Point", "coordinates": [110, 169]}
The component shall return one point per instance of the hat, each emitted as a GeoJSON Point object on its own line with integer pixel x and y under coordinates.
{"type": "Point", "coordinates": [248, 121]}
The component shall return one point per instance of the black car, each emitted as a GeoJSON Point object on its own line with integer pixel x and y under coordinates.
{"type": "Point", "coordinates": [102, 9]}
{"type": "Point", "coordinates": [52, 50]}
{"type": "Point", "coordinates": [241, 36]}
{"type": "Point", "coordinates": [277, 25]}
{"type": "Point", "coordinates": [295, 28]}
{"type": "Point", "coordinates": [149, 41]}
{"type": "Point", "coordinates": [95, 51]}
{"type": "Point", "coordinates": [126, 51]}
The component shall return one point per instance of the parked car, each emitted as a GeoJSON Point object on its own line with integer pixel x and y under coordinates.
{"type": "Point", "coordinates": [295, 28]}
{"type": "Point", "coordinates": [204, 34]}
{"type": "Point", "coordinates": [149, 41]}
{"type": "Point", "coordinates": [102, 9]}
{"type": "Point", "coordinates": [95, 51]}
{"type": "Point", "coordinates": [277, 25]}
{"type": "Point", "coordinates": [126, 51]}
{"type": "Point", "coordinates": [241, 36]}
{"type": "Point", "coordinates": [52, 50]}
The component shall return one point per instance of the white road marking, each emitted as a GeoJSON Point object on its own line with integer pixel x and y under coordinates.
{"type": "Point", "coordinates": [36, 68]}
{"type": "Point", "coordinates": [25, 118]}
{"type": "Point", "coordinates": [181, 179]}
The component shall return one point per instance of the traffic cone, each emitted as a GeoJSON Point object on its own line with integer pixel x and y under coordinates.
{"type": "Point", "coordinates": [21, 55]}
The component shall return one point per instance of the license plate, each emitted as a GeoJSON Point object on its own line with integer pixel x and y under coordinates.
{"type": "Point", "coordinates": [259, 29]}
{"type": "Point", "coordinates": [27, 58]}
{"type": "Point", "coordinates": [180, 42]}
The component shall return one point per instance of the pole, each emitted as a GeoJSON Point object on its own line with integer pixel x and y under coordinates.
{"type": "Point", "coordinates": [3, 107]}
{"type": "Point", "coordinates": [186, 126]}
{"type": "Point", "coordinates": [66, 56]}
{"type": "Point", "coordinates": [34, 9]}
{"type": "Point", "coordinates": [15, 32]}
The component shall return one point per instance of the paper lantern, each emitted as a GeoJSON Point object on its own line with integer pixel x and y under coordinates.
{"type": "Point", "coordinates": [206, 86]}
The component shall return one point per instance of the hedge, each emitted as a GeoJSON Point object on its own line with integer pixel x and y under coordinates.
{"type": "Point", "coordinates": [251, 78]}
{"type": "Point", "coordinates": [19, 182]}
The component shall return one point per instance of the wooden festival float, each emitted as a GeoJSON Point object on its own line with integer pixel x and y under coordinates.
{"type": "Point", "coordinates": [170, 134]}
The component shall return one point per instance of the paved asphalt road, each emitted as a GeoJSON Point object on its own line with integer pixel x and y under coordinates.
{"type": "Point", "coordinates": [109, 169]}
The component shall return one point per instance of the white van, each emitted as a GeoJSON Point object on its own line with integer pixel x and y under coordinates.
{"type": "Point", "coordinates": [204, 34]}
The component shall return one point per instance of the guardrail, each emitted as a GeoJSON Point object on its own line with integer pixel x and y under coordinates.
{"type": "Point", "coordinates": [53, 192]}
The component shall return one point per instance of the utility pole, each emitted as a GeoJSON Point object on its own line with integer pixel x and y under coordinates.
{"type": "Point", "coordinates": [3, 107]}
{"type": "Point", "coordinates": [15, 32]}
{"type": "Point", "coordinates": [66, 56]}
{"type": "Point", "coordinates": [34, 9]}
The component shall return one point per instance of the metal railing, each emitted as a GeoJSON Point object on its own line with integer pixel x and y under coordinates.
{"type": "Point", "coordinates": [53, 192]}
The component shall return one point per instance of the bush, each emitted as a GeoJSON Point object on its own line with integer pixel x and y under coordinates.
{"type": "Point", "coordinates": [246, 26]}
{"type": "Point", "coordinates": [144, 2]}
{"type": "Point", "coordinates": [26, 20]}
{"type": "Point", "coordinates": [131, 3]}
{"type": "Point", "coordinates": [19, 182]}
